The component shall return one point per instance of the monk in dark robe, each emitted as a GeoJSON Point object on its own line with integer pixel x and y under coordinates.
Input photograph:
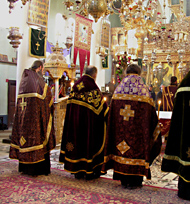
{"type": "Point", "coordinates": [177, 153]}
{"type": "Point", "coordinates": [84, 128]}
{"type": "Point", "coordinates": [33, 133]}
{"type": "Point", "coordinates": [168, 94]}
{"type": "Point", "coordinates": [133, 133]}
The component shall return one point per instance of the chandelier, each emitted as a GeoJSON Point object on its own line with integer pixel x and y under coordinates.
{"type": "Point", "coordinates": [131, 13]}
{"type": "Point", "coordinates": [102, 52]}
{"type": "Point", "coordinates": [12, 2]}
{"type": "Point", "coordinates": [96, 8]}
{"type": "Point", "coordinates": [135, 14]}
{"type": "Point", "coordinates": [14, 37]}
{"type": "Point", "coordinates": [163, 35]}
{"type": "Point", "coordinates": [181, 32]}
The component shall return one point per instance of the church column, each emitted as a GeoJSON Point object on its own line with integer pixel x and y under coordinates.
{"type": "Point", "coordinates": [94, 58]}
{"type": "Point", "coordinates": [24, 61]}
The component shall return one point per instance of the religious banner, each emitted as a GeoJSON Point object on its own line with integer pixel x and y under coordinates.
{"type": "Point", "coordinates": [38, 12]}
{"type": "Point", "coordinates": [37, 43]}
{"type": "Point", "coordinates": [82, 42]}
{"type": "Point", "coordinates": [105, 34]}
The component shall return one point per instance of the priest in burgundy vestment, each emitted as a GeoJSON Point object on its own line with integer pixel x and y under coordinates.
{"type": "Point", "coordinates": [133, 133]}
{"type": "Point", "coordinates": [33, 133]}
{"type": "Point", "coordinates": [84, 128]}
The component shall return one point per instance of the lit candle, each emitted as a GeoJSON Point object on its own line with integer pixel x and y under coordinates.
{"type": "Point", "coordinates": [159, 103]}
{"type": "Point", "coordinates": [105, 99]}
{"type": "Point", "coordinates": [72, 83]}
{"type": "Point", "coordinates": [107, 88]}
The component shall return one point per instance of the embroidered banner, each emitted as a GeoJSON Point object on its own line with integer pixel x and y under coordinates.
{"type": "Point", "coordinates": [38, 12]}
{"type": "Point", "coordinates": [82, 42]}
{"type": "Point", "coordinates": [105, 36]}
{"type": "Point", "coordinates": [37, 43]}
{"type": "Point", "coordinates": [83, 31]}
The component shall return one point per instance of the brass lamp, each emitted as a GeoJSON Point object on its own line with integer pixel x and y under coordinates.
{"type": "Point", "coordinates": [14, 36]}
{"type": "Point", "coordinates": [97, 8]}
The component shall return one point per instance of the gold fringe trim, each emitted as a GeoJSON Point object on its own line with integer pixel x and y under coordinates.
{"type": "Point", "coordinates": [51, 102]}
{"type": "Point", "coordinates": [28, 162]}
{"type": "Point", "coordinates": [81, 103]}
{"type": "Point", "coordinates": [106, 111]}
{"type": "Point", "coordinates": [88, 76]}
{"type": "Point", "coordinates": [126, 161]}
{"type": "Point", "coordinates": [48, 130]}
{"type": "Point", "coordinates": [31, 162]}
{"type": "Point", "coordinates": [176, 158]}
{"type": "Point", "coordinates": [29, 149]}
{"type": "Point", "coordinates": [129, 174]}
{"type": "Point", "coordinates": [130, 97]}
{"type": "Point", "coordinates": [156, 132]}
{"type": "Point", "coordinates": [89, 160]}
{"type": "Point", "coordinates": [35, 94]}
{"type": "Point", "coordinates": [83, 170]}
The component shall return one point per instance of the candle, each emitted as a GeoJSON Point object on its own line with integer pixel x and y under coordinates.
{"type": "Point", "coordinates": [107, 88]}
{"type": "Point", "coordinates": [159, 103]}
{"type": "Point", "coordinates": [72, 83]}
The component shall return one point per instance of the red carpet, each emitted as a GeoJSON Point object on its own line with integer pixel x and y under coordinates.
{"type": "Point", "coordinates": [62, 187]}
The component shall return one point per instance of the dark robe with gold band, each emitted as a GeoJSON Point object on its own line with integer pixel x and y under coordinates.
{"type": "Point", "coordinates": [133, 133]}
{"type": "Point", "coordinates": [33, 133]}
{"type": "Point", "coordinates": [84, 128]}
{"type": "Point", "coordinates": [168, 94]}
{"type": "Point", "coordinates": [177, 154]}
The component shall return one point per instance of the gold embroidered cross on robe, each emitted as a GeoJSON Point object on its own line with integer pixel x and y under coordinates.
{"type": "Point", "coordinates": [127, 112]}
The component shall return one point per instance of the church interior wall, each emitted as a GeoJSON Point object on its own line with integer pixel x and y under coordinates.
{"type": "Point", "coordinates": [58, 7]}
{"type": "Point", "coordinates": [7, 71]}
{"type": "Point", "coordinates": [115, 20]}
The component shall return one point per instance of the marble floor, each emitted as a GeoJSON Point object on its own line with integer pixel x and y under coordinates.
{"type": "Point", "coordinates": [159, 178]}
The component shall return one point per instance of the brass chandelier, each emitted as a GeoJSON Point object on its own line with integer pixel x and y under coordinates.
{"type": "Point", "coordinates": [96, 8]}
{"type": "Point", "coordinates": [12, 4]}
{"type": "Point", "coordinates": [126, 9]}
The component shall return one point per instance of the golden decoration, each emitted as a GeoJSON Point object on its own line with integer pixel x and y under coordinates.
{"type": "Point", "coordinates": [127, 112]}
{"type": "Point", "coordinates": [80, 86]}
{"type": "Point", "coordinates": [145, 99]}
{"type": "Point", "coordinates": [23, 104]}
{"type": "Point", "coordinates": [69, 146]}
{"type": "Point", "coordinates": [126, 161]}
{"type": "Point", "coordinates": [123, 147]}
{"type": "Point", "coordinates": [22, 141]}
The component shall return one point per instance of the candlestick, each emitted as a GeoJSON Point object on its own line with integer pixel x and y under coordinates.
{"type": "Point", "coordinates": [159, 103]}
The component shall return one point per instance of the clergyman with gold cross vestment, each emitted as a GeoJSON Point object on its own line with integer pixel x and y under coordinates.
{"type": "Point", "coordinates": [33, 132]}
{"type": "Point", "coordinates": [84, 132]}
{"type": "Point", "coordinates": [133, 137]}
